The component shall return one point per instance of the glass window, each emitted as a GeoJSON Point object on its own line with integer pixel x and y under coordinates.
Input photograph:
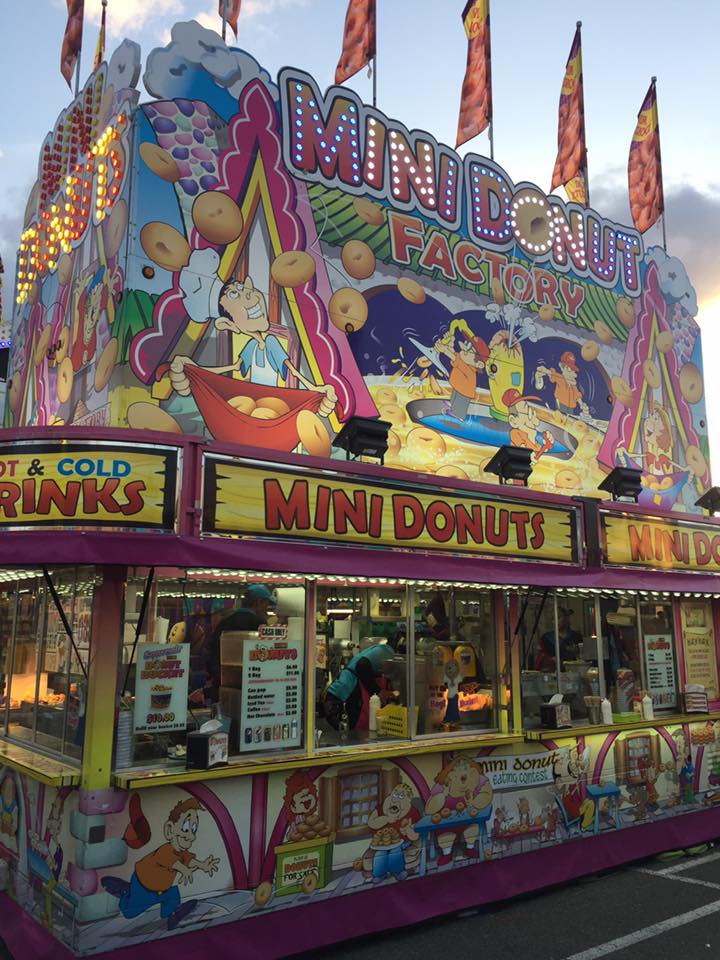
{"type": "Point", "coordinates": [45, 677]}
{"type": "Point", "coordinates": [621, 651]}
{"type": "Point", "coordinates": [361, 663]}
{"type": "Point", "coordinates": [455, 660]}
{"type": "Point", "coordinates": [224, 645]}
{"type": "Point", "coordinates": [559, 653]}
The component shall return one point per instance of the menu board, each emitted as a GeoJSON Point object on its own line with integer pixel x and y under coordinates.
{"type": "Point", "coordinates": [271, 713]}
{"type": "Point", "coordinates": [660, 668]}
{"type": "Point", "coordinates": [699, 646]}
{"type": "Point", "coordinates": [161, 687]}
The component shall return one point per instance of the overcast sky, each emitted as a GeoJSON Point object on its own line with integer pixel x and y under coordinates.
{"type": "Point", "coordinates": [421, 62]}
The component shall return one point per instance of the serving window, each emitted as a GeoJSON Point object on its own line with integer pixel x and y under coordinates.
{"type": "Point", "coordinates": [589, 647]}
{"type": "Point", "coordinates": [210, 651]}
{"type": "Point", "coordinates": [45, 628]}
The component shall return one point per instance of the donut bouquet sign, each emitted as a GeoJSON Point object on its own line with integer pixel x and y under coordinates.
{"type": "Point", "coordinates": [288, 258]}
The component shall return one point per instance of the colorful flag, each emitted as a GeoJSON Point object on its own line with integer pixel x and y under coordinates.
{"type": "Point", "coordinates": [358, 40]}
{"type": "Point", "coordinates": [72, 41]}
{"type": "Point", "coordinates": [229, 10]}
{"type": "Point", "coordinates": [100, 47]}
{"type": "Point", "coordinates": [571, 162]}
{"type": "Point", "coordinates": [647, 201]}
{"type": "Point", "coordinates": [476, 98]}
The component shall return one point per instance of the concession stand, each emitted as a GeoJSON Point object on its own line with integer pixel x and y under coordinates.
{"type": "Point", "coordinates": [245, 669]}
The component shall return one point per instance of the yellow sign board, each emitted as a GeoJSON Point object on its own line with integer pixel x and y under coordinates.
{"type": "Point", "coordinates": [81, 484]}
{"type": "Point", "coordinates": [661, 545]}
{"type": "Point", "coordinates": [262, 500]}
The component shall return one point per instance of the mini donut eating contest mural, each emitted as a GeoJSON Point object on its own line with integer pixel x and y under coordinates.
{"type": "Point", "coordinates": [256, 262]}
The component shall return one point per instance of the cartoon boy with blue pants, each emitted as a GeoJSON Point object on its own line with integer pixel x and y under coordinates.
{"type": "Point", "coordinates": [153, 880]}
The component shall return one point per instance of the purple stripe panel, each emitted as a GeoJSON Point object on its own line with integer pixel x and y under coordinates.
{"type": "Point", "coordinates": [227, 828]}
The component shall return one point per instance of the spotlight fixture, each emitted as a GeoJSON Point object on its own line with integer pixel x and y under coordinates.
{"type": "Point", "coordinates": [623, 483]}
{"type": "Point", "coordinates": [511, 464]}
{"type": "Point", "coordinates": [363, 437]}
{"type": "Point", "coordinates": [710, 500]}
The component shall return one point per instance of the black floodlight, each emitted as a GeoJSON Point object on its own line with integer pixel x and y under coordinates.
{"type": "Point", "coordinates": [511, 463]}
{"type": "Point", "coordinates": [623, 483]}
{"type": "Point", "coordinates": [710, 500]}
{"type": "Point", "coordinates": [363, 437]}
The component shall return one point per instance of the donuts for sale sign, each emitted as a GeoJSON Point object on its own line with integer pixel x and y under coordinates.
{"type": "Point", "coordinates": [247, 500]}
{"type": "Point", "coordinates": [83, 485]}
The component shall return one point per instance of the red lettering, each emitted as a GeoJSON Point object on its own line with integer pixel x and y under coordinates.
{"type": "Point", "coordinates": [538, 538]}
{"type": "Point", "coordinates": [51, 495]}
{"type": "Point", "coordinates": [376, 508]}
{"type": "Point", "coordinates": [95, 497]}
{"type": "Point", "coordinates": [135, 501]}
{"type": "Point", "coordinates": [546, 288]}
{"type": "Point", "coordinates": [322, 508]}
{"type": "Point", "coordinates": [9, 496]}
{"type": "Point", "coordinates": [436, 255]}
{"type": "Point", "coordinates": [440, 531]}
{"type": "Point", "coordinates": [407, 529]}
{"type": "Point", "coordinates": [703, 550]}
{"type": "Point", "coordinates": [716, 549]}
{"type": "Point", "coordinates": [497, 262]}
{"type": "Point", "coordinates": [354, 510]}
{"type": "Point", "coordinates": [288, 513]}
{"type": "Point", "coordinates": [324, 144]}
{"type": "Point", "coordinates": [406, 233]}
{"type": "Point", "coordinates": [469, 522]}
{"type": "Point", "coordinates": [573, 295]}
{"type": "Point", "coordinates": [671, 544]}
{"type": "Point", "coordinates": [28, 504]}
{"type": "Point", "coordinates": [520, 518]}
{"type": "Point", "coordinates": [497, 537]}
{"type": "Point", "coordinates": [522, 293]}
{"type": "Point", "coordinates": [640, 543]}
{"type": "Point", "coordinates": [463, 253]}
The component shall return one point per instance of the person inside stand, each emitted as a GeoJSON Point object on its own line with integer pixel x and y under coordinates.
{"type": "Point", "coordinates": [570, 642]}
{"type": "Point", "coordinates": [348, 696]}
{"type": "Point", "coordinates": [257, 603]}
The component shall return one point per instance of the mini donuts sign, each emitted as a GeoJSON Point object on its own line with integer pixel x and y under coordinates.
{"type": "Point", "coordinates": [83, 484]}
{"type": "Point", "coordinates": [249, 500]}
{"type": "Point", "coordinates": [661, 545]}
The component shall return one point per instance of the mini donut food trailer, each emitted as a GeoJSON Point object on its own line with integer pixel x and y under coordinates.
{"type": "Point", "coordinates": [210, 287]}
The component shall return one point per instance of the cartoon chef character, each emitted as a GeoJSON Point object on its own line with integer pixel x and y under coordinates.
{"type": "Point", "coordinates": [238, 307]}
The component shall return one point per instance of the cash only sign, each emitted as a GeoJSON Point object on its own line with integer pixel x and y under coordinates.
{"type": "Point", "coordinates": [262, 500]}
{"type": "Point", "coordinates": [78, 484]}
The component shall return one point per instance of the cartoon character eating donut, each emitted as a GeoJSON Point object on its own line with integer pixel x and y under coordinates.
{"type": "Point", "coordinates": [89, 301]}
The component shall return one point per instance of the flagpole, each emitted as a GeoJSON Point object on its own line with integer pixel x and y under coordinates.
{"type": "Point", "coordinates": [578, 24]}
{"type": "Point", "coordinates": [374, 73]}
{"type": "Point", "coordinates": [77, 69]}
{"type": "Point", "coordinates": [653, 81]}
{"type": "Point", "coordinates": [492, 106]}
{"type": "Point", "coordinates": [224, 19]}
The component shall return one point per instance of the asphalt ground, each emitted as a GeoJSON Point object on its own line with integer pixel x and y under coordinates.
{"type": "Point", "coordinates": [649, 910]}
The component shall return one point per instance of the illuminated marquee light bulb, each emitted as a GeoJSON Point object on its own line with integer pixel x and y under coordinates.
{"type": "Point", "coordinates": [329, 146]}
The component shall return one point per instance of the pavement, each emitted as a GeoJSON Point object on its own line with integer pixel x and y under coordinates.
{"type": "Point", "coordinates": [650, 910]}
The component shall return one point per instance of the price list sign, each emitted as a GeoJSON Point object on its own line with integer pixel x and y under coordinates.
{"type": "Point", "coordinates": [660, 669]}
{"type": "Point", "coordinates": [271, 714]}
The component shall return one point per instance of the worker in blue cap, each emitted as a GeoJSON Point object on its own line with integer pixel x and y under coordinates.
{"type": "Point", "coordinates": [257, 602]}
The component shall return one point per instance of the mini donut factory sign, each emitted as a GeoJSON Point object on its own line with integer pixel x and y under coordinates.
{"type": "Point", "coordinates": [253, 501]}
{"type": "Point", "coordinates": [280, 259]}
{"type": "Point", "coordinates": [83, 485]}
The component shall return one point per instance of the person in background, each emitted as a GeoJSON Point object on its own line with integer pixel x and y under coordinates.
{"type": "Point", "coordinates": [570, 642]}
{"type": "Point", "coordinates": [364, 676]}
{"type": "Point", "coordinates": [257, 603]}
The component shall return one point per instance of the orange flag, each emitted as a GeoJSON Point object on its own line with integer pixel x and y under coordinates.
{"type": "Point", "coordinates": [100, 47]}
{"type": "Point", "coordinates": [230, 11]}
{"type": "Point", "coordinates": [571, 162]}
{"type": "Point", "coordinates": [358, 40]}
{"type": "Point", "coordinates": [647, 201]}
{"type": "Point", "coordinates": [72, 41]}
{"type": "Point", "coordinates": [476, 99]}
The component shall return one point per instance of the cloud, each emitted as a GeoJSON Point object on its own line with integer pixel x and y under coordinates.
{"type": "Point", "coordinates": [132, 15]}
{"type": "Point", "coordinates": [692, 216]}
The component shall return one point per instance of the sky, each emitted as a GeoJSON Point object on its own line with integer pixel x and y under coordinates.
{"type": "Point", "coordinates": [420, 67]}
